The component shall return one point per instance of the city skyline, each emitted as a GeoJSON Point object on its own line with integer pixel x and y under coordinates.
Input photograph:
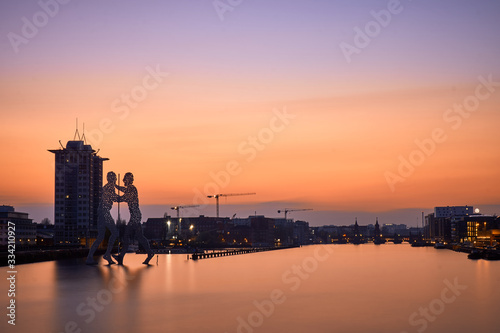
{"type": "Point", "coordinates": [303, 105]}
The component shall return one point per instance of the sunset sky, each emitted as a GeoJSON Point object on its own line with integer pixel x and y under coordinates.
{"type": "Point", "coordinates": [364, 107]}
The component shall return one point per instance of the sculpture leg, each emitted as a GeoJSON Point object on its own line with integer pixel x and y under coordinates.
{"type": "Point", "coordinates": [100, 237]}
{"type": "Point", "coordinates": [125, 243]}
{"type": "Point", "coordinates": [111, 242]}
{"type": "Point", "coordinates": [145, 244]}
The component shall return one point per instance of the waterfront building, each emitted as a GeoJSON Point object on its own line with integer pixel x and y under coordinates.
{"type": "Point", "coordinates": [482, 230]}
{"type": "Point", "coordinates": [262, 230]}
{"type": "Point", "coordinates": [78, 184]}
{"type": "Point", "coordinates": [447, 224]}
{"type": "Point", "coordinates": [389, 230]}
{"type": "Point", "coordinates": [45, 235]}
{"type": "Point", "coordinates": [440, 228]}
{"type": "Point", "coordinates": [450, 211]}
{"type": "Point", "coordinates": [353, 233]}
{"type": "Point", "coordinates": [158, 229]}
{"type": "Point", "coordinates": [25, 229]}
{"type": "Point", "coordinates": [205, 224]}
{"type": "Point", "coordinates": [208, 230]}
{"type": "Point", "coordinates": [283, 232]}
{"type": "Point", "coordinates": [301, 233]}
{"type": "Point", "coordinates": [255, 230]}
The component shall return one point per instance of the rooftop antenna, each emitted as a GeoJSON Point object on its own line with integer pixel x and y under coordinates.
{"type": "Point", "coordinates": [77, 134]}
{"type": "Point", "coordinates": [83, 134]}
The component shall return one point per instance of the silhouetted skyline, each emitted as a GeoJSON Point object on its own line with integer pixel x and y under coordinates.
{"type": "Point", "coordinates": [362, 107]}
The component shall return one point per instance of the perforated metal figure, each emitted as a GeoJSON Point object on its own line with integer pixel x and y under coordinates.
{"type": "Point", "coordinates": [131, 197]}
{"type": "Point", "coordinates": [105, 220]}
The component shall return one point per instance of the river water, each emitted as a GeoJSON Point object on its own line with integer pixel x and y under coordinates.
{"type": "Point", "coordinates": [319, 288]}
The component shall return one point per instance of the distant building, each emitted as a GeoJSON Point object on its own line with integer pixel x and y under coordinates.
{"type": "Point", "coordinates": [45, 234]}
{"type": "Point", "coordinates": [414, 231]}
{"type": "Point", "coordinates": [241, 222]}
{"type": "Point", "coordinates": [255, 230]}
{"type": "Point", "coordinates": [210, 231]}
{"type": "Point", "coordinates": [438, 228]}
{"type": "Point", "coordinates": [25, 229]}
{"type": "Point", "coordinates": [242, 231]}
{"type": "Point", "coordinates": [262, 231]}
{"type": "Point", "coordinates": [447, 224]}
{"type": "Point", "coordinates": [482, 229]}
{"type": "Point", "coordinates": [450, 211]}
{"type": "Point", "coordinates": [283, 232]}
{"type": "Point", "coordinates": [389, 230]}
{"type": "Point", "coordinates": [78, 184]}
{"type": "Point", "coordinates": [156, 228]}
{"type": "Point", "coordinates": [205, 224]}
{"type": "Point", "coordinates": [301, 233]}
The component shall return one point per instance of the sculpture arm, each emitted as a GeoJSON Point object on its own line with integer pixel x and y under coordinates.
{"type": "Point", "coordinates": [121, 188]}
{"type": "Point", "coordinates": [118, 198]}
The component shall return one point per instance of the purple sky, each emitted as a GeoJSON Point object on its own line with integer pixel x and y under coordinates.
{"type": "Point", "coordinates": [356, 112]}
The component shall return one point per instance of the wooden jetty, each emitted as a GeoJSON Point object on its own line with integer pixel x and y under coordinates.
{"type": "Point", "coordinates": [233, 252]}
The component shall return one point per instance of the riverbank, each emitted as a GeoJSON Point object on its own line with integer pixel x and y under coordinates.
{"type": "Point", "coordinates": [27, 257]}
{"type": "Point", "coordinates": [33, 256]}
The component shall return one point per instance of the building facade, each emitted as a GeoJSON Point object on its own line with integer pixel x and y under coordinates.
{"type": "Point", "coordinates": [262, 231]}
{"type": "Point", "coordinates": [482, 230]}
{"type": "Point", "coordinates": [25, 229]}
{"type": "Point", "coordinates": [301, 233]}
{"type": "Point", "coordinates": [78, 186]}
{"type": "Point", "coordinates": [449, 211]}
{"type": "Point", "coordinates": [446, 224]}
{"type": "Point", "coordinates": [157, 229]}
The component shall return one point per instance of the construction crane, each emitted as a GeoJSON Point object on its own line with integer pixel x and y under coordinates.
{"type": "Point", "coordinates": [178, 208]}
{"type": "Point", "coordinates": [216, 196]}
{"type": "Point", "coordinates": [286, 211]}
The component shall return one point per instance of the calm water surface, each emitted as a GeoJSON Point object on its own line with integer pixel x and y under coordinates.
{"type": "Point", "coordinates": [320, 288]}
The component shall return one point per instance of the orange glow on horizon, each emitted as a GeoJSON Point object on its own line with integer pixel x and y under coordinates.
{"type": "Point", "coordinates": [333, 154]}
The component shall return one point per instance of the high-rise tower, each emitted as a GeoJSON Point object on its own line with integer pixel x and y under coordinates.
{"type": "Point", "coordinates": [78, 184]}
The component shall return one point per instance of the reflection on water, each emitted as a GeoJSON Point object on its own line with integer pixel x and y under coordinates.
{"type": "Point", "coordinates": [323, 288]}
